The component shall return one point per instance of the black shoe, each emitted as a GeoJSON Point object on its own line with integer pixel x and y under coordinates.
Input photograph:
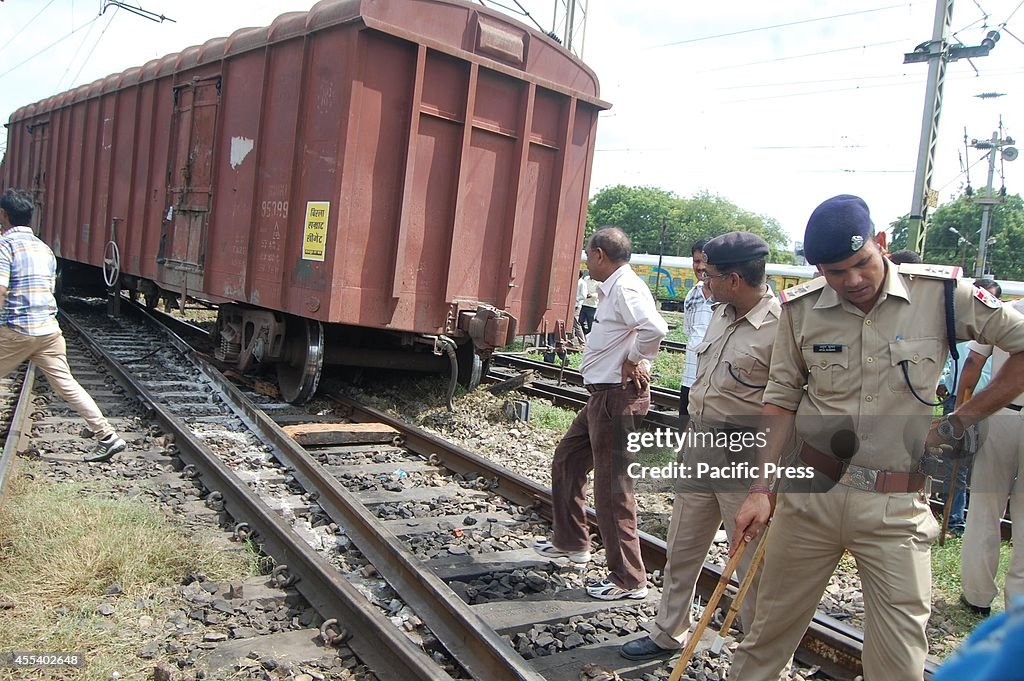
{"type": "Point", "coordinates": [984, 611]}
{"type": "Point", "coordinates": [644, 649]}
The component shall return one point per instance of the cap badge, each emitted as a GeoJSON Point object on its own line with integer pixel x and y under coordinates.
{"type": "Point", "coordinates": [856, 242]}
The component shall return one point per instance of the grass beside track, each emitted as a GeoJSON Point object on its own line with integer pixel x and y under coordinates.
{"type": "Point", "coordinates": [62, 547]}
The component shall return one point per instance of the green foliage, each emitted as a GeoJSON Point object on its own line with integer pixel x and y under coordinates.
{"type": "Point", "coordinates": [642, 211]}
{"type": "Point", "coordinates": [945, 247]}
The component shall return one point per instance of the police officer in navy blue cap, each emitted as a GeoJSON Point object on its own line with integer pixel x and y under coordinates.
{"type": "Point", "coordinates": [856, 360]}
{"type": "Point", "coordinates": [725, 402]}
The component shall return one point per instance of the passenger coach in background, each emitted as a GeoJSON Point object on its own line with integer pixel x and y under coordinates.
{"type": "Point", "coordinates": [397, 184]}
{"type": "Point", "coordinates": [677, 276]}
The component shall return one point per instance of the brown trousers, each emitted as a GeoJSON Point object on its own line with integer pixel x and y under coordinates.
{"type": "Point", "coordinates": [596, 441]}
{"type": "Point", "coordinates": [50, 354]}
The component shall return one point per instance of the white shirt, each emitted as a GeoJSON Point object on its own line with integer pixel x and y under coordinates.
{"type": "Point", "coordinates": [627, 326]}
{"type": "Point", "coordinates": [697, 314]}
{"type": "Point", "coordinates": [998, 356]}
{"type": "Point", "coordinates": [581, 293]}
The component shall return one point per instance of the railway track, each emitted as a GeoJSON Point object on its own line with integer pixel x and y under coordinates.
{"type": "Point", "coordinates": [664, 411]}
{"type": "Point", "coordinates": [15, 410]}
{"type": "Point", "coordinates": [447, 529]}
{"type": "Point", "coordinates": [842, 650]}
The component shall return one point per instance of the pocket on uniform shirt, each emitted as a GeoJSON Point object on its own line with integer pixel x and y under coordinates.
{"type": "Point", "coordinates": [827, 370]}
{"type": "Point", "coordinates": [747, 371]}
{"type": "Point", "coordinates": [921, 358]}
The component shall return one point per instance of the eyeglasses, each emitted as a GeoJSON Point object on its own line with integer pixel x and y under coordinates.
{"type": "Point", "coordinates": [717, 276]}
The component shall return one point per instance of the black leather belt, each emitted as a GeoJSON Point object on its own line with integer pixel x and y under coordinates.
{"type": "Point", "coordinates": [1015, 407]}
{"type": "Point", "coordinates": [598, 387]}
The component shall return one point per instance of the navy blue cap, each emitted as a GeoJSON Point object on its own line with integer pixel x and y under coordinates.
{"type": "Point", "coordinates": [838, 228]}
{"type": "Point", "coordinates": [734, 247]}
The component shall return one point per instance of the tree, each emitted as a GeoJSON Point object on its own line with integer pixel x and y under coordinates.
{"type": "Point", "coordinates": [641, 212]}
{"type": "Point", "coordinates": [954, 231]}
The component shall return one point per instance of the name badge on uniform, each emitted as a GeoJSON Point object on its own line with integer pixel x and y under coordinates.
{"type": "Point", "coordinates": [828, 347]}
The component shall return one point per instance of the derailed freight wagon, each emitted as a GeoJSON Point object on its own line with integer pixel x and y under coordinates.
{"type": "Point", "coordinates": [372, 182]}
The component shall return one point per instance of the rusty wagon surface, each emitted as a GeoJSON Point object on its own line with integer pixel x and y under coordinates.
{"type": "Point", "coordinates": [419, 167]}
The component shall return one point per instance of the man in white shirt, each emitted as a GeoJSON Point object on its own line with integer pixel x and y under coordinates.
{"type": "Point", "coordinates": [616, 370]}
{"type": "Point", "coordinates": [998, 475]}
{"type": "Point", "coordinates": [588, 308]}
{"type": "Point", "coordinates": [696, 317]}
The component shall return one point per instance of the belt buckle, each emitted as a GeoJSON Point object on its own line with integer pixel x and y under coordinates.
{"type": "Point", "coordinates": [859, 477]}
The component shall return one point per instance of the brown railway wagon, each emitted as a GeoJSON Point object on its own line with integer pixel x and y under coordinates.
{"type": "Point", "coordinates": [365, 177]}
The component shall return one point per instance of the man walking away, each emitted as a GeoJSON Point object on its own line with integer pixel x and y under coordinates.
{"type": "Point", "coordinates": [28, 317]}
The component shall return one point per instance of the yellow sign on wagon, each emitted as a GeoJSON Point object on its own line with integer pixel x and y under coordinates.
{"type": "Point", "coordinates": [314, 235]}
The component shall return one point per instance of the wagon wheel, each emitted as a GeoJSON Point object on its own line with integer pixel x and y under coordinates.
{"type": "Point", "coordinates": [299, 373]}
{"type": "Point", "coordinates": [471, 368]}
{"type": "Point", "coordinates": [111, 264]}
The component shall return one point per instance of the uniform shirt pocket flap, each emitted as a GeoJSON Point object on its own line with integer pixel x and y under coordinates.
{"type": "Point", "coordinates": [699, 348]}
{"type": "Point", "coordinates": [913, 351]}
{"type": "Point", "coordinates": [827, 360]}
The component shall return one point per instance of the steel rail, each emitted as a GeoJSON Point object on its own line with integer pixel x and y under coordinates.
{"type": "Point", "coordinates": [373, 637]}
{"type": "Point", "coordinates": [663, 397]}
{"type": "Point", "coordinates": [19, 427]}
{"type": "Point", "coordinates": [673, 346]}
{"type": "Point", "coordinates": [828, 642]}
{"type": "Point", "coordinates": [474, 644]}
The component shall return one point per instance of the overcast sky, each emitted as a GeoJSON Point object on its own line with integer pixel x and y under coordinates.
{"type": "Point", "coordinates": [775, 119]}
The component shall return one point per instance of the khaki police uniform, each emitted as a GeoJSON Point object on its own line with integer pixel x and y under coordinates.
{"type": "Point", "coordinates": [841, 371]}
{"type": "Point", "coordinates": [732, 371]}
{"type": "Point", "coordinates": [998, 475]}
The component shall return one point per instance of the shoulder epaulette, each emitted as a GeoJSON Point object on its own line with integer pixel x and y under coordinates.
{"type": "Point", "coordinates": [930, 271]}
{"type": "Point", "coordinates": [793, 292]}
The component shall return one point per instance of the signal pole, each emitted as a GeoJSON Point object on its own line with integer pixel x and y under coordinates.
{"type": "Point", "coordinates": [994, 146]}
{"type": "Point", "coordinates": [936, 52]}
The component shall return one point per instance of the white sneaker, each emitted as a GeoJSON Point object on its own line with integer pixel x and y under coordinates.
{"type": "Point", "coordinates": [549, 550]}
{"type": "Point", "coordinates": [607, 590]}
{"type": "Point", "coordinates": [721, 537]}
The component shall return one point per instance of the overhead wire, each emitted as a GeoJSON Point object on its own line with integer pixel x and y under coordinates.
{"type": "Point", "coordinates": [27, 24]}
{"type": "Point", "coordinates": [75, 56]}
{"type": "Point", "coordinates": [95, 45]}
{"type": "Point", "coordinates": [802, 56]}
{"type": "Point", "coordinates": [783, 25]}
{"type": "Point", "coordinates": [48, 47]}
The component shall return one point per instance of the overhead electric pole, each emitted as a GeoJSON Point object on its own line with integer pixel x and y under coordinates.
{"type": "Point", "coordinates": [570, 21]}
{"type": "Point", "coordinates": [1001, 146]}
{"type": "Point", "coordinates": [937, 52]}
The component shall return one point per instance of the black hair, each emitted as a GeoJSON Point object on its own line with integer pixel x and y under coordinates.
{"type": "Point", "coordinates": [19, 207]}
{"type": "Point", "coordinates": [751, 271]}
{"type": "Point", "coordinates": [699, 245]}
{"type": "Point", "coordinates": [905, 255]}
{"type": "Point", "coordinates": [987, 283]}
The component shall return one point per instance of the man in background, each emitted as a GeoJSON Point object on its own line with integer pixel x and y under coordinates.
{"type": "Point", "coordinates": [955, 476]}
{"type": "Point", "coordinates": [588, 308]}
{"type": "Point", "coordinates": [696, 317]}
{"type": "Point", "coordinates": [616, 372]}
{"type": "Point", "coordinates": [998, 477]}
